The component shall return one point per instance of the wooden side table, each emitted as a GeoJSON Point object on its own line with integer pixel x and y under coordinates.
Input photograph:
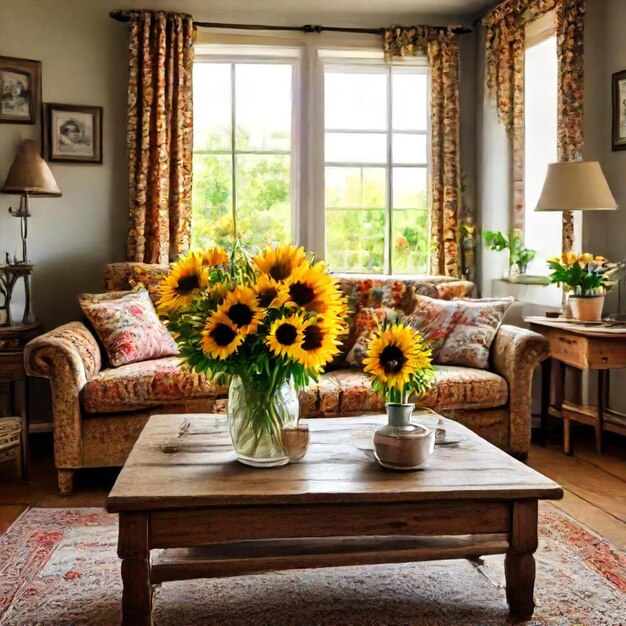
{"type": "Point", "coordinates": [596, 348]}
{"type": "Point", "coordinates": [13, 339]}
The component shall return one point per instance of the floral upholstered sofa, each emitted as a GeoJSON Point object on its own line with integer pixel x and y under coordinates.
{"type": "Point", "coordinates": [99, 411]}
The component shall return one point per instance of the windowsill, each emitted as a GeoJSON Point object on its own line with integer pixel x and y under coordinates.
{"type": "Point", "coordinates": [542, 281]}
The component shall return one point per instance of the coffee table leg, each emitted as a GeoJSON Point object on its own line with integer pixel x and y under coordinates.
{"type": "Point", "coordinates": [134, 551]}
{"type": "Point", "coordinates": [519, 564]}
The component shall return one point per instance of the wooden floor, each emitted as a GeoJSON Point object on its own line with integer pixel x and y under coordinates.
{"type": "Point", "coordinates": [595, 486]}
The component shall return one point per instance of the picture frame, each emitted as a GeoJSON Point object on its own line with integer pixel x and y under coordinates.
{"type": "Point", "coordinates": [619, 110]}
{"type": "Point", "coordinates": [20, 90]}
{"type": "Point", "coordinates": [72, 133]}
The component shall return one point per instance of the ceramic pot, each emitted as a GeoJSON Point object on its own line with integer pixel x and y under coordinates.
{"type": "Point", "coordinates": [587, 308]}
{"type": "Point", "coordinates": [400, 444]}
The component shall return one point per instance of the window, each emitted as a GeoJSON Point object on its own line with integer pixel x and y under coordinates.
{"type": "Point", "coordinates": [542, 231]}
{"type": "Point", "coordinates": [324, 148]}
{"type": "Point", "coordinates": [242, 159]}
{"type": "Point", "coordinates": [376, 168]}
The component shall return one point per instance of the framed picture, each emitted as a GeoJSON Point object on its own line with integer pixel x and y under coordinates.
{"type": "Point", "coordinates": [619, 110]}
{"type": "Point", "coordinates": [72, 133]}
{"type": "Point", "coordinates": [20, 90]}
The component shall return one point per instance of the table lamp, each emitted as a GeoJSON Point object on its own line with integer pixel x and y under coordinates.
{"type": "Point", "coordinates": [29, 176]}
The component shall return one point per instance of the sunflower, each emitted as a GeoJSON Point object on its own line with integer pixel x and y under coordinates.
{"type": "Point", "coordinates": [242, 309]}
{"type": "Point", "coordinates": [396, 355]}
{"type": "Point", "coordinates": [311, 288]}
{"type": "Point", "coordinates": [268, 292]}
{"type": "Point", "coordinates": [285, 337]}
{"type": "Point", "coordinates": [281, 261]}
{"type": "Point", "coordinates": [220, 338]}
{"type": "Point", "coordinates": [319, 344]}
{"type": "Point", "coordinates": [185, 280]}
{"type": "Point", "coordinates": [212, 257]}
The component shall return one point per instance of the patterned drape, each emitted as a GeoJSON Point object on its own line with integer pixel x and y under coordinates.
{"type": "Point", "coordinates": [504, 61]}
{"type": "Point", "coordinates": [442, 51]}
{"type": "Point", "coordinates": [160, 135]}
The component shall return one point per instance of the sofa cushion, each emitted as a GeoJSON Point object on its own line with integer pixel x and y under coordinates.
{"type": "Point", "coordinates": [461, 331]}
{"type": "Point", "coordinates": [146, 384]}
{"type": "Point", "coordinates": [349, 392]}
{"type": "Point", "coordinates": [128, 326]}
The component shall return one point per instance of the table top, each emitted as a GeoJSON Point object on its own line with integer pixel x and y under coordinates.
{"type": "Point", "coordinates": [167, 470]}
{"type": "Point", "coordinates": [604, 330]}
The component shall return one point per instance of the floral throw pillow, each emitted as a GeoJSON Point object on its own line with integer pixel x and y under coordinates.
{"type": "Point", "coordinates": [128, 326]}
{"type": "Point", "coordinates": [460, 331]}
{"type": "Point", "coordinates": [367, 320]}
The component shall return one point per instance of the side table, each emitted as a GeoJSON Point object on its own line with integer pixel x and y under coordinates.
{"type": "Point", "coordinates": [13, 339]}
{"type": "Point", "coordinates": [586, 347]}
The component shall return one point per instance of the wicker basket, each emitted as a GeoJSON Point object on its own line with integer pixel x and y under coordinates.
{"type": "Point", "coordinates": [10, 440]}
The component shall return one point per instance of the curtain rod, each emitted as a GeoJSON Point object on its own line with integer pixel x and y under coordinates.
{"type": "Point", "coordinates": [124, 16]}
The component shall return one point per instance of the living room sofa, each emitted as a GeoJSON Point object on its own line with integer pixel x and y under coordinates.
{"type": "Point", "coordinates": [99, 411]}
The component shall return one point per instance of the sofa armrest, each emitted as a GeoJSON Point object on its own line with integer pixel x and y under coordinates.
{"type": "Point", "coordinates": [516, 353]}
{"type": "Point", "coordinates": [68, 356]}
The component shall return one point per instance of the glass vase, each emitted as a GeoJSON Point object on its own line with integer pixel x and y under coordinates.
{"type": "Point", "coordinates": [257, 415]}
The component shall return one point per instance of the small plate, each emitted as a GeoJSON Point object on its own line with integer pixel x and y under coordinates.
{"type": "Point", "coordinates": [449, 439]}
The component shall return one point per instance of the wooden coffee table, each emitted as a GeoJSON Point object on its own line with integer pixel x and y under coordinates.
{"type": "Point", "coordinates": [206, 515]}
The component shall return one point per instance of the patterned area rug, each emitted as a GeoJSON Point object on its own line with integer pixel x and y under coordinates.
{"type": "Point", "coordinates": [59, 566]}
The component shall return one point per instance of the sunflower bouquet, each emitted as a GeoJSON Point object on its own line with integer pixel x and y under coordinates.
{"type": "Point", "coordinates": [269, 322]}
{"type": "Point", "coordinates": [399, 363]}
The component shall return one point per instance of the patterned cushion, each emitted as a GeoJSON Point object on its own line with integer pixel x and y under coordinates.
{"type": "Point", "coordinates": [349, 392]}
{"type": "Point", "coordinates": [367, 320]}
{"type": "Point", "coordinates": [460, 331]}
{"type": "Point", "coordinates": [146, 384]}
{"type": "Point", "coordinates": [128, 326]}
{"type": "Point", "coordinates": [126, 276]}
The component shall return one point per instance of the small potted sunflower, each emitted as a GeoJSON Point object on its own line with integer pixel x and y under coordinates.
{"type": "Point", "coordinates": [269, 323]}
{"type": "Point", "coordinates": [399, 363]}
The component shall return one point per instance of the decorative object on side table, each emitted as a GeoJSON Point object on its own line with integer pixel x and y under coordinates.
{"type": "Point", "coordinates": [399, 363]}
{"type": "Point", "coordinates": [519, 256]}
{"type": "Point", "coordinates": [72, 133]}
{"type": "Point", "coordinates": [20, 90]}
{"type": "Point", "coordinates": [586, 278]}
{"type": "Point", "coordinates": [271, 323]}
{"type": "Point", "coordinates": [29, 176]}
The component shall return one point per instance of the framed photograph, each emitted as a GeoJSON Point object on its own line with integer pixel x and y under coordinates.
{"type": "Point", "coordinates": [20, 90]}
{"type": "Point", "coordinates": [619, 110]}
{"type": "Point", "coordinates": [72, 133]}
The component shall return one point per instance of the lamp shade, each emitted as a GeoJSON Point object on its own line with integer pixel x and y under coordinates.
{"type": "Point", "coordinates": [576, 186]}
{"type": "Point", "coordinates": [30, 173]}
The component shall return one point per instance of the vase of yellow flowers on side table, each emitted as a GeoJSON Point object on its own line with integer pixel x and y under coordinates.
{"type": "Point", "coordinates": [269, 323]}
{"type": "Point", "coordinates": [399, 363]}
{"type": "Point", "coordinates": [586, 279]}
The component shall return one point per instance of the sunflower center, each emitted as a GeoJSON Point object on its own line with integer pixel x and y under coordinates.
{"type": "Point", "coordinates": [187, 284]}
{"type": "Point", "coordinates": [286, 334]}
{"type": "Point", "coordinates": [267, 296]}
{"type": "Point", "coordinates": [240, 314]}
{"type": "Point", "coordinates": [280, 270]}
{"type": "Point", "coordinates": [392, 359]}
{"type": "Point", "coordinates": [313, 336]}
{"type": "Point", "coordinates": [301, 293]}
{"type": "Point", "coordinates": [223, 334]}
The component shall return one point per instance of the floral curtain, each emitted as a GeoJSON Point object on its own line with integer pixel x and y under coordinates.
{"type": "Point", "coordinates": [442, 51]}
{"type": "Point", "coordinates": [160, 135]}
{"type": "Point", "coordinates": [504, 60]}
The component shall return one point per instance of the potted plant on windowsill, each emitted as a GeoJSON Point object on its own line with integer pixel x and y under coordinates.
{"type": "Point", "coordinates": [586, 278]}
{"type": "Point", "coordinates": [519, 256]}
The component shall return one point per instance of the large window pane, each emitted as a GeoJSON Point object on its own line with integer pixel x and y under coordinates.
{"type": "Point", "coordinates": [355, 148]}
{"type": "Point", "coordinates": [263, 198]}
{"type": "Point", "coordinates": [410, 101]}
{"type": "Point", "coordinates": [409, 188]}
{"type": "Point", "coordinates": [409, 242]}
{"type": "Point", "coordinates": [355, 240]}
{"type": "Point", "coordinates": [212, 200]}
{"type": "Point", "coordinates": [409, 148]}
{"type": "Point", "coordinates": [355, 100]}
{"type": "Point", "coordinates": [355, 187]}
{"type": "Point", "coordinates": [263, 107]}
{"type": "Point", "coordinates": [212, 102]}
